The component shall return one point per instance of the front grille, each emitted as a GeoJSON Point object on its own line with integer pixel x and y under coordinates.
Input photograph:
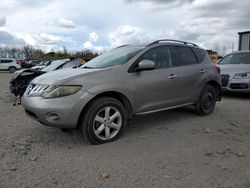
{"type": "Point", "coordinates": [36, 89]}
{"type": "Point", "coordinates": [224, 79]}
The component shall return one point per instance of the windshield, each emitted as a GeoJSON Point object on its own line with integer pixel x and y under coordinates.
{"type": "Point", "coordinates": [54, 65]}
{"type": "Point", "coordinates": [114, 57]}
{"type": "Point", "coordinates": [238, 58]}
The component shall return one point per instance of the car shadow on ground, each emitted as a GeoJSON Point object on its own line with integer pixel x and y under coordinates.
{"type": "Point", "coordinates": [160, 120]}
{"type": "Point", "coordinates": [236, 95]}
{"type": "Point", "coordinates": [139, 126]}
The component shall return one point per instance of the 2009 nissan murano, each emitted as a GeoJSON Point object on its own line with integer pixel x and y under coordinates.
{"type": "Point", "coordinates": [129, 80]}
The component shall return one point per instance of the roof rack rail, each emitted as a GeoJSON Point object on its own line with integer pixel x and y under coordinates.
{"type": "Point", "coordinates": [170, 40]}
{"type": "Point", "coordinates": [122, 46]}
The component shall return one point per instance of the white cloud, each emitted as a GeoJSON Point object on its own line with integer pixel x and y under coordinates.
{"type": "Point", "coordinates": [125, 34]}
{"type": "Point", "coordinates": [93, 37]}
{"type": "Point", "coordinates": [62, 22]}
{"type": "Point", "coordinates": [50, 39]}
{"type": "Point", "coordinates": [89, 44]}
{"type": "Point", "coordinates": [2, 21]}
{"type": "Point", "coordinates": [157, 5]}
{"type": "Point", "coordinates": [205, 22]}
{"type": "Point", "coordinates": [8, 3]}
{"type": "Point", "coordinates": [9, 39]}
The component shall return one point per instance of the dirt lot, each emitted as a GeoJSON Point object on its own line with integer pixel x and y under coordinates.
{"type": "Point", "coordinates": [169, 149]}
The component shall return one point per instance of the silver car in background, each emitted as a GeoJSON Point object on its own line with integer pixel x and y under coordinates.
{"type": "Point", "coordinates": [235, 72]}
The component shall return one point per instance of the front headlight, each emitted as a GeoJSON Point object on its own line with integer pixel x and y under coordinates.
{"type": "Point", "coordinates": [242, 75]}
{"type": "Point", "coordinates": [61, 91]}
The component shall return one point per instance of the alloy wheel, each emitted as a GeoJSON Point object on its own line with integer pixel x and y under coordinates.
{"type": "Point", "coordinates": [107, 123]}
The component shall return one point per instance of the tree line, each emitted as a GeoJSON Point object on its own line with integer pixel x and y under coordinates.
{"type": "Point", "coordinates": [30, 53]}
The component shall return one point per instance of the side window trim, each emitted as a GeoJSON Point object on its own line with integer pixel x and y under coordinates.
{"type": "Point", "coordinates": [197, 60]}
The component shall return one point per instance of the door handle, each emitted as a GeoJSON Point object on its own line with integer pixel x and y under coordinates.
{"type": "Point", "coordinates": [172, 76]}
{"type": "Point", "coordinates": [202, 70]}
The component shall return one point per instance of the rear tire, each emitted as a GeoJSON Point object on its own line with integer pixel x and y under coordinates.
{"type": "Point", "coordinates": [207, 101]}
{"type": "Point", "coordinates": [12, 69]}
{"type": "Point", "coordinates": [103, 121]}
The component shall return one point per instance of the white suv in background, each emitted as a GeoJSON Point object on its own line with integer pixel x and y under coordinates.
{"type": "Point", "coordinates": [9, 64]}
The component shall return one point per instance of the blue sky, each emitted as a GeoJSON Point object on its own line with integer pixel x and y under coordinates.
{"type": "Point", "coordinates": [102, 24]}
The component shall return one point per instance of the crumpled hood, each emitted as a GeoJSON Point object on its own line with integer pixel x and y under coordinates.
{"type": "Point", "coordinates": [234, 69]}
{"type": "Point", "coordinates": [61, 76]}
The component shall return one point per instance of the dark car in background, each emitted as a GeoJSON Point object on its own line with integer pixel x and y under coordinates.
{"type": "Point", "coordinates": [21, 79]}
{"type": "Point", "coordinates": [33, 63]}
{"type": "Point", "coordinates": [23, 63]}
{"type": "Point", "coordinates": [235, 72]}
{"type": "Point", "coordinates": [41, 65]}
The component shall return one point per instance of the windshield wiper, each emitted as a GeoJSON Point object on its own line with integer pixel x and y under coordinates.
{"type": "Point", "coordinates": [86, 67]}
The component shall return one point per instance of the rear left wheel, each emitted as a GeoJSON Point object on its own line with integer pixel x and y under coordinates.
{"type": "Point", "coordinates": [104, 121]}
{"type": "Point", "coordinates": [12, 69]}
{"type": "Point", "coordinates": [207, 100]}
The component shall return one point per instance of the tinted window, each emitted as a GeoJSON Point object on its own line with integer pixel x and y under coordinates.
{"type": "Point", "coordinates": [6, 61]}
{"type": "Point", "coordinates": [183, 56]}
{"type": "Point", "coordinates": [200, 54]}
{"type": "Point", "coordinates": [160, 55]}
{"type": "Point", "coordinates": [239, 58]}
{"type": "Point", "coordinates": [71, 64]}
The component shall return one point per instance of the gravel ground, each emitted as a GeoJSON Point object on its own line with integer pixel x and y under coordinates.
{"type": "Point", "coordinates": [168, 149]}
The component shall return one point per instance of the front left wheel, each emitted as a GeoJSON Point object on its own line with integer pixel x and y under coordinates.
{"type": "Point", "coordinates": [104, 120]}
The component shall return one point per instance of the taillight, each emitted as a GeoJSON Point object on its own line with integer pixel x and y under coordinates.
{"type": "Point", "coordinates": [18, 62]}
{"type": "Point", "coordinates": [217, 68]}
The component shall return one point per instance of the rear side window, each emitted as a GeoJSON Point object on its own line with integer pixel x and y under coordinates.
{"type": "Point", "coordinates": [160, 55]}
{"type": "Point", "coordinates": [200, 54]}
{"type": "Point", "coordinates": [6, 61]}
{"type": "Point", "coordinates": [183, 55]}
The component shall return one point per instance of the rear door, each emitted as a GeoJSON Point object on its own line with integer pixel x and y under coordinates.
{"type": "Point", "coordinates": [190, 73]}
{"type": "Point", "coordinates": [158, 88]}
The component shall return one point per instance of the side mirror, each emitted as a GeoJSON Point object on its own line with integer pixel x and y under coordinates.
{"type": "Point", "coordinates": [145, 65]}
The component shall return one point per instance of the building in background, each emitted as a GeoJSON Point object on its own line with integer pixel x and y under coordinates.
{"type": "Point", "coordinates": [244, 40]}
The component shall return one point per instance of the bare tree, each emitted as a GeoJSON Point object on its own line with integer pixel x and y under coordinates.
{"type": "Point", "coordinates": [28, 52]}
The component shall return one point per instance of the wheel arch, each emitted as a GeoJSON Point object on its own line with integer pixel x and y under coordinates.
{"type": "Point", "coordinates": [12, 67]}
{"type": "Point", "coordinates": [114, 94]}
{"type": "Point", "coordinates": [217, 87]}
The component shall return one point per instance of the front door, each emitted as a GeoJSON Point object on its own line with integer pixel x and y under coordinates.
{"type": "Point", "coordinates": [159, 88]}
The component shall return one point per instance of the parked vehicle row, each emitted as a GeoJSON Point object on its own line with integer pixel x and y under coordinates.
{"type": "Point", "coordinates": [100, 96]}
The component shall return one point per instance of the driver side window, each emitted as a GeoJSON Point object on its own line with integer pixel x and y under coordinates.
{"type": "Point", "coordinates": [160, 55]}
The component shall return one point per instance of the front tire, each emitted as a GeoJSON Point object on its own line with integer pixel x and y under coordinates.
{"type": "Point", "coordinates": [207, 101]}
{"type": "Point", "coordinates": [104, 121]}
